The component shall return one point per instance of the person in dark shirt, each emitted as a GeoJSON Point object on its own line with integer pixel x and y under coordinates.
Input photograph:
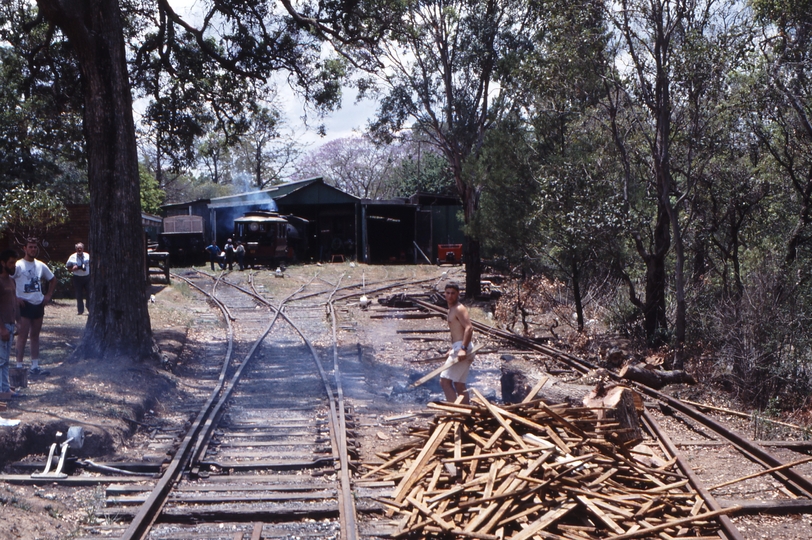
{"type": "Point", "coordinates": [214, 254]}
{"type": "Point", "coordinates": [229, 252]}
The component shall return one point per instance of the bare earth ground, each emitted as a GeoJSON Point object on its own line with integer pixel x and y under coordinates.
{"type": "Point", "coordinates": [114, 399]}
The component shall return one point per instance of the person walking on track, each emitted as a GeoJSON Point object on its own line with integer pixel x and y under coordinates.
{"type": "Point", "coordinates": [460, 356]}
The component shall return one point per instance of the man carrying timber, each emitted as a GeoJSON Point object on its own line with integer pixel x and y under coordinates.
{"type": "Point", "coordinates": [460, 357]}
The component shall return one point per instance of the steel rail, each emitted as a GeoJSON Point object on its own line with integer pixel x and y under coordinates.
{"type": "Point", "coordinates": [192, 445]}
{"type": "Point", "coordinates": [790, 478]}
{"type": "Point", "coordinates": [338, 423]}
{"type": "Point", "coordinates": [349, 525]}
{"type": "Point", "coordinates": [214, 416]}
{"type": "Point", "coordinates": [729, 528]}
{"type": "Point", "coordinates": [151, 509]}
{"type": "Point", "coordinates": [798, 482]}
{"type": "Point", "coordinates": [397, 283]}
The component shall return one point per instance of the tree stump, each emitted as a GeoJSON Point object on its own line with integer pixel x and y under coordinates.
{"type": "Point", "coordinates": [616, 405]}
{"type": "Point", "coordinates": [514, 385]}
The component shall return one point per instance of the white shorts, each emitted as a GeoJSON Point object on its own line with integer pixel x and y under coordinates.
{"type": "Point", "coordinates": [458, 372]}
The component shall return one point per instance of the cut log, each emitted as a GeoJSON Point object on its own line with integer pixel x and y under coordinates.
{"type": "Point", "coordinates": [515, 385]}
{"type": "Point", "coordinates": [617, 405]}
{"type": "Point", "coordinates": [655, 378]}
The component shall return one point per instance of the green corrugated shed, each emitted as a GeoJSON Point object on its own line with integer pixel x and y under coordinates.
{"type": "Point", "coordinates": [311, 191]}
{"type": "Point", "coordinates": [447, 225]}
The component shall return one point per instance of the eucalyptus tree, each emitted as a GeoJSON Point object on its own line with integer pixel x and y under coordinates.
{"type": "Point", "coordinates": [263, 150]}
{"type": "Point", "coordinates": [579, 216]}
{"type": "Point", "coordinates": [785, 122]}
{"type": "Point", "coordinates": [422, 170]}
{"type": "Point", "coordinates": [438, 72]}
{"type": "Point", "coordinates": [247, 38]}
{"type": "Point", "coordinates": [214, 153]}
{"type": "Point", "coordinates": [507, 218]}
{"type": "Point", "coordinates": [549, 174]}
{"type": "Point", "coordinates": [40, 128]}
{"type": "Point", "coordinates": [675, 70]}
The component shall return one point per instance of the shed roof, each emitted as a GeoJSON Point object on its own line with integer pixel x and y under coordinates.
{"type": "Point", "coordinates": [183, 204]}
{"type": "Point", "coordinates": [310, 191]}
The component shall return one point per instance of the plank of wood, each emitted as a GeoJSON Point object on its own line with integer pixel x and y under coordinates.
{"type": "Point", "coordinates": [399, 457]}
{"type": "Point", "coordinates": [25, 479]}
{"type": "Point", "coordinates": [433, 373]}
{"type": "Point", "coordinates": [600, 514]}
{"type": "Point", "coordinates": [495, 413]}
{"type": "Point", "coordinates": [228, 499]}
{"type": "Point", "coordinates": [256, 534]}
{"type": "Point", "coordinates": [761, 473]}
{"type": "Point", "coordinates": [544, 521]}
{"type": "Point", "coordinates": [429, 514]}
{"type": "Point", "coordinates": [671, 524]}
{"type": "Point", "coordinates": [191, 515]}
{"type": "Point", "coordinates": [494, 455]}
{"type": "Point", "coordinates": [425, 455]}
{"type": "Point", "coordinates": [536, 389]}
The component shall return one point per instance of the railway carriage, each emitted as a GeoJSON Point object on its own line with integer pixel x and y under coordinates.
{"type": "Point", "coordinates": [183, 239]}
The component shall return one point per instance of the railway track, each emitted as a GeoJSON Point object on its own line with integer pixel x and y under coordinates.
{"type": "Point", "coordinates": [268, 452]}
{"type": "Point", "coordinates": [267, 455]}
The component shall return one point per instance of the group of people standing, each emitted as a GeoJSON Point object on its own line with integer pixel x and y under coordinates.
{"type": "Point", "coordinates": [26, 286]}
{"type": "Point", "coordinates": [231, 252]}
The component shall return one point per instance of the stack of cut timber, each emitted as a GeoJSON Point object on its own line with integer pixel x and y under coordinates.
{"type": "Point", "coordinates": [533, 470]}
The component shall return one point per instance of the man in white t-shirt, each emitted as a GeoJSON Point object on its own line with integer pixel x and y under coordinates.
{"type": "Point", "coordinates": [79, 265]}
{"type": "Point", "coordinates": [29, 274]}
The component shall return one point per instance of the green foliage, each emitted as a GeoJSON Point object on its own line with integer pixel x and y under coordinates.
{"type": "Point", "coordinates": [152, 196]}
{"type": "Point", "coordinates": [792, 12]}
{"type": "Point", "coordinates": [31, 213]}
{"type": "Point", "coordinates": [64, 282]}
{"type": "Point", "coordinates": [761, 339]}
{"type": "Point", "coordinates": [506, 221]}
{"type": "Point", "coordinates": [40, 106]}
{"type": "Point", "coordinates": [423, 170]}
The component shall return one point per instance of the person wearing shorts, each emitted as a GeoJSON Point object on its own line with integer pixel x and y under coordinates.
{"type": "Point", "coordinates": [29, 275]}
{"type": "Point", "coordinates": [453, 379]}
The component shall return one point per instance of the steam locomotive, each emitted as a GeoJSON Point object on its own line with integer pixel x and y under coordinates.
{"type": "Point", "coordinates": [270, 238]}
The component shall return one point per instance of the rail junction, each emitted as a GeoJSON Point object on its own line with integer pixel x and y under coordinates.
{"type": "Point", "coordinates": [270, 449]}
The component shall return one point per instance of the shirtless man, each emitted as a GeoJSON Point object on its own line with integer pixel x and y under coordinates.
{"type": "Point", "coordinates": [453, 379]}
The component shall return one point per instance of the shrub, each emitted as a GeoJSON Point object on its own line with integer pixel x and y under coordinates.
{"type": "Point", "coordinates": [761, 337]}
{"type": "Point", "coordinates": [64, 284]}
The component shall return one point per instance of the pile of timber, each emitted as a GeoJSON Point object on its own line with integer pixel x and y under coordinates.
{"type": "Point", "coordinates": [533, 470]}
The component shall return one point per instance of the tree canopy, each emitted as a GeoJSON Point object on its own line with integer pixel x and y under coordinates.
{"type": "Point", "coordinates": [653, 153]}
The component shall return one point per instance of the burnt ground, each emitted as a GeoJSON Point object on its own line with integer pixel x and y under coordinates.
{"type": "Point", "coordinates": [118, 401]}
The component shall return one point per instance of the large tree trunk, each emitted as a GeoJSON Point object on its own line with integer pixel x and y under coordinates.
{"type": "Point", "coordinates": [118, 323]}
{"type": "Point", "coordinates": [473, 268]}
{"type": "Point", "coordinates": [472, 255]}
{"type": "Point", "coordinates": [654, 310]}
